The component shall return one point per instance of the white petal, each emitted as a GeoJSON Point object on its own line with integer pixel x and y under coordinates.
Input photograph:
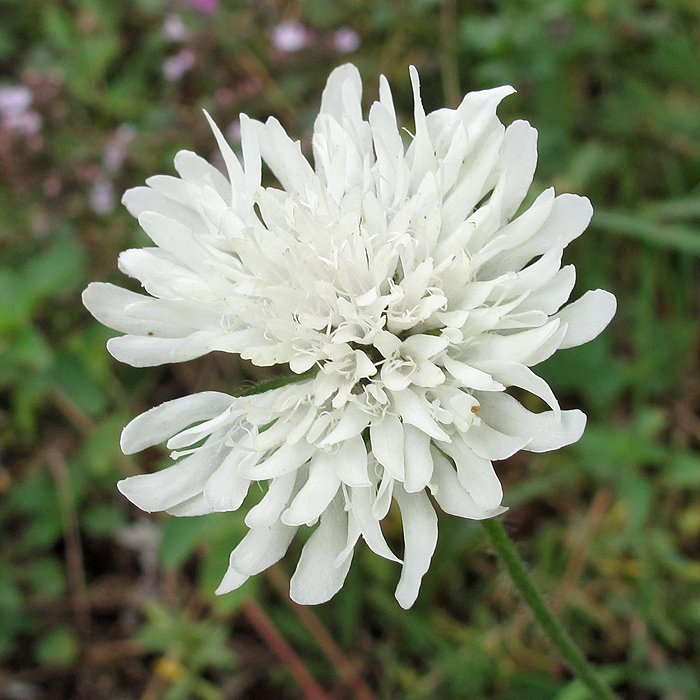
{"type": "Point", "coordinates": [514, 234]}
{"type": "Point", "coordinates": [478, 108]}
{"type": "Point", "coordinates": [385, 493]}
{"type": "Point", "coordinates": [231, 581]}
{"type": "Point", "coordinates": [476, 474]}
{"type": "Point", "coordinates": [371, 531]}
{"type": "Point", "coordinates": [469, 376]}
{"type": "Point", "coordinates": [162, 422]}
{"type": "Point", "coordinates": [110, 304]}
{"type": "Point", "coordinates": [226, 489]}
{"type": "Point", "coordinates": [350, 542]}
{"type": "Point", "coordinates": [193, 168]}
{"type": "Point", "coordinates": [551, 296]}
{"type": "Point", "coordinates": [351, 462]}
{"type": "Point", "coordinates": [386, 436]}
{"type": "Point", "coordinates": [414, 410]}
{"type": "Point", "coordinates": [333, 101]}
{"type": "Point", "coordinates": [233, 166]}
{"type": "Point", "coordinates": [420, 533]}
{"type": "Point", "coordinates": [174, 237]}
{"type": "Point", "coordinates": [474, 182]}
{"type": "Point", "coordinates": [518, 158]}
{"type": "Point", "coordinates": [389, 151]}
{"type": "Point", "coordinates": [352, 423]}
{"type": "Point", "coordinates": [140, 199]}
{"type": "Point", "coordinates": [418, 461]}
{"type": "Point", "coordinates": [451, 496]}
{"type": "Point", "coordinates": [260, 549]}
{"type": "Point", "coordinates": [171, 486]}
{"type": "Point", "coordinates": [420, 153]}
{"type": "Point", "coordinates": [274, 435]}
{"type": "Point", "coordinates": [268, 511]}
{"type": "Point", "coordinates": [251, 154]}
{"type": "Point", "coordinates": [394, 379]}
{"type": "Point", "coordinates": [283, 155]}
{"type": "Point", "coordinates": [587, 317]}
{"type": "Point", "coordinates": [197, 505]}
{"type": "Point", "coordinates": [192, 435]}
{"type": "Point", "coordinates": [316, 494]}
{"type": "Point", "coordinates": [298, 431]}
{"type": "Point", "coordinates": [163, 275]}
{"type": "Point", "coordinates": [453, 140]}
{"type": "Point", "coordinates": [547, 348]}
{"type": "Point", "coordinates": [421, 346]}
{"type": "Point", "coordinates": [428, 374]}
{"type": "Point", "coordinates": [532, 282]}
{"type": "Point", "coordinates": [385, 98]}
{"type": "Point", "coordinates": [568, 219]}
{"type": "Point", "coordinates": [317, 578]}
{"type": "Point", "coordinates": [546, 431]}
{"type": "Point", "coordinates": [285, 459]}
{"type": "Point", "coordinates": [488, 443]}
{"type": "Point", "coordinates": [174, 188]}
{"type": "Point", "coordinates": [514, 374]}
{"type": "Point", "coordinates": [147, 351]}
{"type": "Point", "coordinates": [516, 347]}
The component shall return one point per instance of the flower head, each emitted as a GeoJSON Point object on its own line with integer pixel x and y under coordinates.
{"type": "Point", "coordinates": [290, 36]}
{"type": "Point", "coordinates": [346, 40]}
{"type": "Point", "coordinates": [15, 112]}
{"type": "Point", "coordinates": [404, 293]}
{"type": "Point", "coordinates": [207, 7]}
{"type": "Point", "coordinates": [176, 66]}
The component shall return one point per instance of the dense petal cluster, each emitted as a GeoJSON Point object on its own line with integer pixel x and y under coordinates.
{"type": "Point", "coordinates": [396, 281]}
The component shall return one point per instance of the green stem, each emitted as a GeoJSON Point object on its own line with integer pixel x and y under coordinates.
{"type": "Point", "coordinates": [448, 53]}
{"type": "Point", "coordinates": [277, 382]}
{"type": "Point", "coordinates": [564, 644]}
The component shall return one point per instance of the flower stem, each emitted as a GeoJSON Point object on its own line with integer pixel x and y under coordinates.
{"type": "Point", "coordinates": [564, 644]}
{"type": "Point", "coordinates": [277, 382]}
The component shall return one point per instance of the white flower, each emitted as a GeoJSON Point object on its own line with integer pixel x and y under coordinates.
{"type": "Point", "coordinates": [15, 115]}
{"type": "Point", "coordinates": [400, 287]}
{"type": "Point", "coordinates": [15, 100]}
{"type": "Point", "coordinates": [174, 29]}
{"type": "Point", "coordinates": [176, 66]}
{"type": "Point", "coordinates": [290, 36]}
{"type": "Point", "coordinates": [346, 40]}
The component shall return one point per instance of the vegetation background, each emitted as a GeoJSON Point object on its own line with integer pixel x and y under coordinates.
{"type": "Point", "coordinates": [98, 600]}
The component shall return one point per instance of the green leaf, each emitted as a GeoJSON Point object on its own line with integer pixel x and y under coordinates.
{"type": "Point", "coordinates": [58, 270]}
{"type": "Point", "coordinates": [58, 648]}
{"type": "Point", "coordinates": [70, 375]}
{"type": "Point", "coordinates": [102, 520]}
{"type": "Point", "coordinates": [180, 538]}
{"type": "Point", "coordinates": [14, 306]}
{"type": "Point", "coordinates": [683, 470]}
{"type": "Point", "coordinates": [13, 618]}
{"type": "Point", "coordinates": [681, 238]}
{"type": "Point", "coordinates": [46, 576]}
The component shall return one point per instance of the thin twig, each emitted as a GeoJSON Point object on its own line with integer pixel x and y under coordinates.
{"type": "Point", "coordinates": [75, 569]}
{"type": "Point", "coordinates": [343, 665]}
{"type": "Point", "coordinates": [110, 652]}
{"type": "Point", "coordinates": [279, 645]}
{"type": "Point", "coordinates": [86, 425]}
{"type": "Point", "coordinates": [73, 412]}
{"type": "Point", "coordinates": [574, 568]}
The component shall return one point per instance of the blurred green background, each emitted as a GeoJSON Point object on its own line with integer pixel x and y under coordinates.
{"type": "Point", "coordinates": [98, 600]}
